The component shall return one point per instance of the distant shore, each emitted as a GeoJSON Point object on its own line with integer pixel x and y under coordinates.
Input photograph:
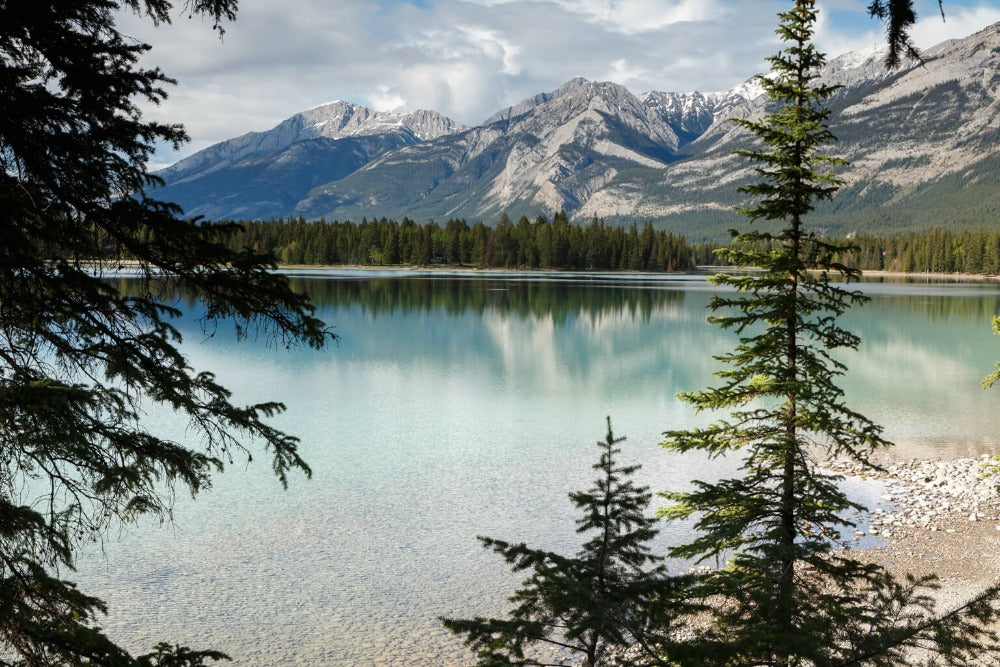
{"type": "Point", "coordinates": [701, 270]}
{"type": "Point", "coordinates": [707, 269]}
{"type": "Point", "coordinates": [932, 276]}
{"type": "Point", "coordinates": [473, 269]}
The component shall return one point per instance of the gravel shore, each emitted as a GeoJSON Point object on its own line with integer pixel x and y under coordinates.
{"type": "Point", "coordinates": [936, 517]}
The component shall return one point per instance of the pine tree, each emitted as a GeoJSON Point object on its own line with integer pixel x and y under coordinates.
{"type": "Point", "coordinates": [899, 16]}
{"type": "Point", "coordinates": [994, 377]}
{"type": "Point", "coordinates": [786, 596]}
{"type": "Point", "coordinates": [613, 592]}
{"type": "Point", "coordinates": [81, 359]}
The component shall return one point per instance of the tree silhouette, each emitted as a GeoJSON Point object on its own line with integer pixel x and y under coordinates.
{"type": "Point", "coordinates": [611, 593]}
{"type": "Point", "coordinates": [80, 360]}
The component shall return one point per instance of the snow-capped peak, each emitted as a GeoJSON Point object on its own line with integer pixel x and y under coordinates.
{"type": "Point", "coordinates": [856, 59]}
{"type": "Point", "coordinates": [750, 89]}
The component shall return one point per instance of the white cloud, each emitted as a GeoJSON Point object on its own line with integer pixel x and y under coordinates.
{"type": "Point", "coordinates": [834, 39]}
{"type": "Point", "coordinates": [638, 16]}
{"type": "Point", "coordinates": [494, 45]}
{"type": "Point", "coordinates": [386, 99]}
{"type": "Point", "coordinates": [469, 58]}
{"type": "Point", "coordinates": [959, 22]}
{"type": "Point", "coordinates": [623, 72]}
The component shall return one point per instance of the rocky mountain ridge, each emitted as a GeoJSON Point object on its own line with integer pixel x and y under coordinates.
{"type": "Point", "coordinates": [265, 174]}
{"type": "Point", "coordinates": [336, 120]}
{"type": "Point", "coordinates": [595, 148]}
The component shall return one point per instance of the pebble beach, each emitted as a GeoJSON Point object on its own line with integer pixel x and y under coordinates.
{"type": "Point", "coordinates": [936, 517]}
{"type": "Point", "coordinates": [939, 517]}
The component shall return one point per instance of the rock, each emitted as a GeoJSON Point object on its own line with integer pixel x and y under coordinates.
{"type": "Point", "coordinates": [921, 494]}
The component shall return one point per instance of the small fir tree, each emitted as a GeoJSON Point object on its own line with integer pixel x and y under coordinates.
{"type": "Point", "coordinates": [992, 466]}
{"type": "Point", "coordinates": [787, 596]}
{"type": "Point", "coordinates": [613, 593]}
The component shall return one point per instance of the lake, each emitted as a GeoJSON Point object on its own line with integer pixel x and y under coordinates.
{"type": "Point", "coordinates": [457, 405]}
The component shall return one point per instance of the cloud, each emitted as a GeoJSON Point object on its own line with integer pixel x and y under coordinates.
{"type": "Point", "coordinates": [639, 16]}
{"type": "Point", "coordinates": [470, 58]}
{"type": "Point", "coordinates": [496, 46]}
{"type": "Point", "coordinates": [844, 26]}
{"type": "Point", "coordinates": [959, 22]}
{"type": "Point", "coordinates": [388, 100]}
{"type": "Point", "coordinates": [623, 72]}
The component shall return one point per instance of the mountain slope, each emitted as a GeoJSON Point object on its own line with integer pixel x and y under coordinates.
{"type": "Point", "coordinates": [263, 174]}
{"type": "Point", "coordinates": [915, 137]}
{"type": "Point", "coordinates": [553, 151]}
{"type": "Point", "coordinates": [931, 128]}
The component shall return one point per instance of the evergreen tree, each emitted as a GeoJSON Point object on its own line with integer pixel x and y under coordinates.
{"type": "Point", "coordinates": [899, 17]}
{"type": "Point", "coordinates": [786, 596]}
{"type": "Point", "coordinates": [611, 593]}
{"type": "Point", "coordinates": [81, 359]}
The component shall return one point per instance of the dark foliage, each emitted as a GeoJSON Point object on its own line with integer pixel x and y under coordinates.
{"type": "Point", "coordinates": [899, 17]}
{"type": "Point", "coordinates": [786, 596]}
{"type": "Point", "coordinates": [80, 360]}
{"type": "Point", "coordinates": [932, 251]}
{"type": "Point", "coordinates": [612, 593]}
{"type": "Point", "coordinates": [527, 244]}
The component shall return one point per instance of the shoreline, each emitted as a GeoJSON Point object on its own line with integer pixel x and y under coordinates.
{"type": "Point", "coordinates": [939, 517]}
{"type": "Point", "coordinates": [984, 277]}
{"type": "Point", "coordinates": [707, 269]}
{"type": "Point", "coordinates": [453, 268]}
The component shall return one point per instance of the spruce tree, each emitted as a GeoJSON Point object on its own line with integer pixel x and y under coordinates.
{"type": "Point", "coordinates": [899, 16]}
{"type": "Point", "coordinates": [993, 377]}
{"type": "Point", "coordinates": [613, 593]}
{"type": "Point", "coordinates": [786, 595]}
{"type": "Point", "coordinates": [81, 356]}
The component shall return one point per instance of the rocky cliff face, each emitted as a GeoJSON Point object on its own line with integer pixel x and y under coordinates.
{"type": "Point", "coordinates": [923, 145]}
{"type": "Point", "coordinates": [557, 150]}
{"type": "Point", "coordinates": [595, 148]}
{"type": "Point", "coordinates": [262, 174]}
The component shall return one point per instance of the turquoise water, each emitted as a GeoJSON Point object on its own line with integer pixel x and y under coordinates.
{"type": "Point", "coordinates": [454, 406]}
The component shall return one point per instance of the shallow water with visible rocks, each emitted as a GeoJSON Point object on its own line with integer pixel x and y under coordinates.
{"type": "Point", "coordinates": [924, 494]}
{"type": "Point", "coordinates": [454, 407]}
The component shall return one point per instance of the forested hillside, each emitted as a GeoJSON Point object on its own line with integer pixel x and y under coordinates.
{"type": "Point", "coordinates": [559, 244]}
{"type": "Point", "coordinates": [933, 251]}
{"type": "Point", "coordinates": [526, 244]}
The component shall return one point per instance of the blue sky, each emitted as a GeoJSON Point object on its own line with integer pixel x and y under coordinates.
{"type": "Point", "coordinates": [469, 58]}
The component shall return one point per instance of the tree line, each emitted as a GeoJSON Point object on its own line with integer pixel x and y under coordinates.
{"type": "Point", "coordinates": [541, 243]}
{"type": "Point", "coordinates": [559, 244]}
{"type": "Point", "coordinates": [933, 251]}
{"type": "Point", "coordinates": [930, 251]}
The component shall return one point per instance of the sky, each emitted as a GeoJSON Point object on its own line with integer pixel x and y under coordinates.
{"type": "Point", "coordinates": [470, 58]}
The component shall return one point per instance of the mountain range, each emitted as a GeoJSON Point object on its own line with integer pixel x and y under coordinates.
{"type": "Point", "coordinates": [923, 143]}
